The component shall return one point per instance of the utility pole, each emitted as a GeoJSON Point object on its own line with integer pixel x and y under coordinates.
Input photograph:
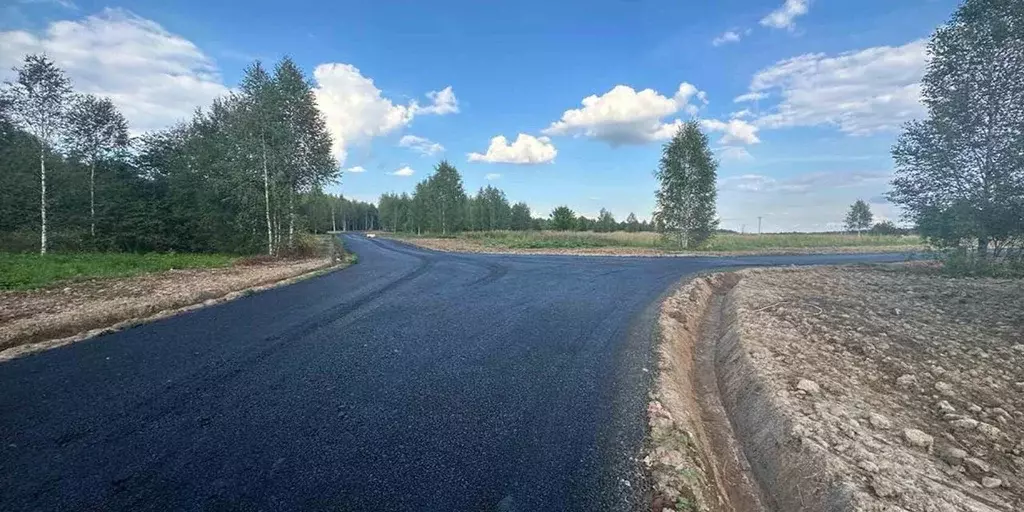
{"type": "Point", "coordinates": [759, 225]}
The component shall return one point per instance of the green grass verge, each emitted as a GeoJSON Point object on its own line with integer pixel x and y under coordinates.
{"type": "Point", "coordinates": [721, 242]}
{"type": "Point", "coordinates": [19, 271]}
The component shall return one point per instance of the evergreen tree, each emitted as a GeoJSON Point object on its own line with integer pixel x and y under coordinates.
{"type": "Point", "coordinates": [686, 199]}
{"type": "Point", "coordinates": [446, 199]}
{"type": "Point", "coordinates": [38, 100]}
{"type": "Point", "coordinates": [960, 171]}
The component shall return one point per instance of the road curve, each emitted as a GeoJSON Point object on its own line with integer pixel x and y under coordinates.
{"type": "Point", "coordinates": [414, 380]}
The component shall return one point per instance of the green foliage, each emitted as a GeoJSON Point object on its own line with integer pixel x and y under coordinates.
{"type": "Point", "coordinates": [26, 271]}
{"type": "Point", "coordinates": [859, 217]}
{"type": "Point", "coordinates": [605, 222]}
{"type": "Point", "coordinates": [562, 219]}
{"type": "Point", "coordinates": [960, 172]}
{"type": "Point", "coordinates": [242, 176]}
{"type": "Point", "coordinates": [686, 199]}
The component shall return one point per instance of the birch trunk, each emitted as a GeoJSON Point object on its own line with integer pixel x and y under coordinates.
{"type": "Point", "coordinates": [42, 200]}
{"type": "Point", "coordinates": [92, 198]}
{"type": "Point", "coordinates": [266, 198]}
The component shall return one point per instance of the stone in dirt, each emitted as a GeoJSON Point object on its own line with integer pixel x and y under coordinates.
{"type": "Point", "coordinates": [991, 483]}
{"type": "Point", "coordinates": [964, 424]}
{"type": "Point", "coordinates": [808, 386]}
{"type": "Point", "coordinates": [906, 381]}
{"type": "Point", "coordinates": [918, 439]}
{"type": "Point", "coordinates": [975, 465]}
{"type": "Point", "coordinates": [952, 455]}
{"type": "Point", "coordinates": [878, 421]}
{"type": "Point", "coordinates": [944, 387]}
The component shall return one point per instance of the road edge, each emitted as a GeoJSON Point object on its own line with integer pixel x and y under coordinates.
{"type": "Point", "coordinates": [29, 348]}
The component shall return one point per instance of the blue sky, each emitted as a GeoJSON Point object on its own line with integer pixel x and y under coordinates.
{"type": "Point", "coordinates": [403, 84]}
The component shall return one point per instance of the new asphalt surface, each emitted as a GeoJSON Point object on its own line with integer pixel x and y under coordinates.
{"type": "Point", "coordinates": [414, 380]}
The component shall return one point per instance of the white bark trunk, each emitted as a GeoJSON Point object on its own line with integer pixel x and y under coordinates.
{"type": "Point", "coordinates": [42, 200]}
{"type": "Point", "coordinates": [266, 199]}
{"type": "Point", "coordinates": [291, 217]}
{"type": "Point", "coordinates": [92, 198]}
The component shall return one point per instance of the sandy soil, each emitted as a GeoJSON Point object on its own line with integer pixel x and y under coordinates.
{"type": "Point", "coordinates": [38, 319]}
{"type": "Point", "coordinates": [848, 389]}
{"type": "Point", "coordinates": [463, 245]}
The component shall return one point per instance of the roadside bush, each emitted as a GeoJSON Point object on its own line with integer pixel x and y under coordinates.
{"type": "Point", "coordinates": [304, 246]}
{"type": "Point", "coordinates": [967, 263]}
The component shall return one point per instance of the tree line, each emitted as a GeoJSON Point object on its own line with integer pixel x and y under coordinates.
{"type": "Point", "coordinates": [243, 175]}
{"type": "Point", "coordinates": [439, 204]}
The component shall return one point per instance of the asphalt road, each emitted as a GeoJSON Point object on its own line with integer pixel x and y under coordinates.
{"type": "Point", "coordinates": [413, 380]}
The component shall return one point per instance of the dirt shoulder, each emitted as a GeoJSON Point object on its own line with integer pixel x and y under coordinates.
{"type": "Point", "coordinates": [472, 246]}
{"type": "Point", "coordinates": [44, 318]}
{"type": "Point", "coordinates": [846, 388]}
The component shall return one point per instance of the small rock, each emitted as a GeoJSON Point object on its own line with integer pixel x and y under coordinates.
{"type": "Point", "coordinates": [808, 386]}
{"type": "Point", "coordinates": [964, 424]}
{"type": "Point", "coordinates": [945, 407]}
{"type": "Point", "coordinates": [896, 311]}
{"type": "Point", "coordinates": [868, 466]}
{"type": "Point", "coordinates": [975, 465]}
{"type": "Point", "coordinates": [918, 439]}
{"type": "Point", "coordinates": [975, 408]}
{"type": "Point", "coordinates": [1019, 348]}
{"type": "Point", "coordinates": [990, 431]}
{"type": "Point", "coordinates": [944, 387]}
{"type": "Point", "coordinates": [952, 455]}
{"type": "Point", "coordinates": [991, 483]}
{"type": "Point", "coordinates": [905, 381]}
{"type": "Point", "coordinates": [878, 421]}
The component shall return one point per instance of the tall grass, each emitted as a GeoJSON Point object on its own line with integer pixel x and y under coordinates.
{"type": "Point", "coordinates": [721, 242]}
{"type": "Point", "coordinates": [20, 271]}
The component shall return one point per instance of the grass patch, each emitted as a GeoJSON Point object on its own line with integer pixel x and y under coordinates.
{"type": "Point", "coordinates": [20, 271]}
{"type": "Point", "coordinates": [722, 242]}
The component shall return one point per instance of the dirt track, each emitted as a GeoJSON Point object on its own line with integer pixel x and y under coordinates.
{"type": "Point", "coordinates": [844, 389]}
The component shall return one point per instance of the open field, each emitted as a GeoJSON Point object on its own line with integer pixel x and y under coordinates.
{"type": "Point", "coordinates": [903, 392]}
{"type": "Point", "coordinates": [27, 271]}
{"type": "Point", "coordinates": [647, 243]}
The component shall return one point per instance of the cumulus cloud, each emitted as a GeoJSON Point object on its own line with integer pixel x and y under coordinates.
{"type": "Point", "coordinates": [785, 15]}
{"type": "Point", "coordinates": [421, 145]}
{"type": "Point", "coordinates": [357, 168]}
{"type": "Point", "coordinates": [155, 78]}
{"type": "Point", "coordinates": [357, 111]}
{"type": "Point", "coordinates": [804, 183]}
{"type": "Point", "coordinates": [740, 114]}
{"type": "Point", "coordinates": [626, 116]}
{"type": "Point", "coordinates": [526, 149]}
{"type": "Point", "coordinates": [404, 171]}
{"type": "Point", "coordinates": [729, 36]}
{"type": "Point", "coordinates": [735, 154]}
{"type": "Point", "coordinates": [492, 176]}
{"type": "Point", "coordinates": [734, 131]}
{"type": "Point", "coordinates": [750, 96]}
{"type": "Point", "coordinates": [861, 92]}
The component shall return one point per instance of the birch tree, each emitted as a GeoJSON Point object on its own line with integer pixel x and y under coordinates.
{"type": "Point", "coordinates": [686, 198]}
{"type": "Point", "coordinates": [95, 130]}
{"type": "Point", "coordinates": [39, 98]}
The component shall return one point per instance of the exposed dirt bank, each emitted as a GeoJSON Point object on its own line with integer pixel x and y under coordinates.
{"type": "Point", "coordinates": [44, 318]}
{"type": "Point", "coordinates": [844, 389]}
{"type": "Point", "coordinates": [463, 245]}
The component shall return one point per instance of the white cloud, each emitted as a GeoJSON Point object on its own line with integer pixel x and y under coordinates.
{"type": "Point", "coordinates": [404, 171]}
{"type": "Point", "coordinates": [784, 16]}
{"type": "Point", "coordinates": [492, 176]}
{"type": "Point", "coordinates": [357, 168]}
{"type": "Point", "coordinates": [861, 92]}
{"type": "Point", "coordinates": [526, 149]}
{"type": "Point", "coordinates": [736, 154]}
{"type": "Point", "coordinates": [356, 110]}
{"type": "Point", "coordinates": [67, 4]}
{"type": "Point", "coordinates": [804, 183]}
{"type": "Point", "coordinates": [729, 36]}
{"type": "Point", "coordinates": [441, 102]}
{"type": "Point", "coordinates": [155, 78]}
{"type": "Point", "coordinates": [422, 145]}
{"type": "Point", "coordinates": [740, 114]}
{"type": "Point", "coordinates": [735, 131]}
{"type": "Point", "coordinates": [750, 96]}
{"type": "Point", "coordinates": [625, 116]}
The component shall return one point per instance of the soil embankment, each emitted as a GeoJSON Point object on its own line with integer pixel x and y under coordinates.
{"type": "Point", "coordinates": [840, 389]}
